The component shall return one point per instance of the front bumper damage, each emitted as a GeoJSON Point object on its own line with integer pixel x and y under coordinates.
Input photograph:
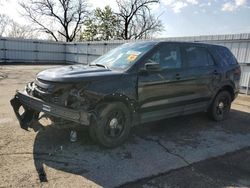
{"type": "Point", "coordinates": [33, 106]}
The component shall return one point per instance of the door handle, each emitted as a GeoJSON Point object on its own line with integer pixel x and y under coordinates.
{"type": "Point", "coordinates": [177, 76]}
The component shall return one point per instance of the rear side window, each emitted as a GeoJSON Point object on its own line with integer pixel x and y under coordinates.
{"type": "Point", "coordinates": [226, 56]}
{"type": "Point", "coordinates": [197, 56]}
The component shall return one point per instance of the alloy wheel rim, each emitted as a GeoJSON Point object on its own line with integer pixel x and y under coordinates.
{"type": "Point", "coordinates": [115, 124]}
{"type": "Point", "coordinates": [222, 106]}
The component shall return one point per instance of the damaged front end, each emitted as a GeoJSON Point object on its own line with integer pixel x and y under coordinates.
{"type": "Point", "coordinates": [58, 102]}
{"type": "Point", "coordinates": [25, 116]}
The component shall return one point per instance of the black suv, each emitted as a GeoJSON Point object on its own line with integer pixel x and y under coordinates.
{"type": "Point", "coordinates": [132, 84]}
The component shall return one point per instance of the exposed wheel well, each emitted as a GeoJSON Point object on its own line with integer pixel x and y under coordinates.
{"type": "Point", "coordinates": [123, 99]}
{"type": "Point", "coordinates": [229, 89]}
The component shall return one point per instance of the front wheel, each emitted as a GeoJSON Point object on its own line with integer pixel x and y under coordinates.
{"type": "Point", "coordinates": [112, 125]}
{"type": "Point", "coordinates": [221, 105]}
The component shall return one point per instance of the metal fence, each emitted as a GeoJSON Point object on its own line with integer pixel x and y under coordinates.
{"type": "Point", "coordinates": [85, 52]}
{"type": "Point", "coordinates": [35, 51]}
{"type": "Point", "coordinates": [20, 50]}
{"type": "Point", "coordinates": [38, 51]}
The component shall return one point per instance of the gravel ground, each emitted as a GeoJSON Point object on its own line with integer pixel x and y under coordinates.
{"type": "Point", "coordinates": [187, 151]}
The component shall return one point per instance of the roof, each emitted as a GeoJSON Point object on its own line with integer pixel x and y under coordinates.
{"type": "Point", "coordinates": [155, 42]}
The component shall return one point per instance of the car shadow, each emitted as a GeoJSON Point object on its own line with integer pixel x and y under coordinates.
{"type": "Point", "coordinates": [141, 156]}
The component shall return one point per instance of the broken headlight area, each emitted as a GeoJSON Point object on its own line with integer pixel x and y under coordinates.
{"type": "Point", "coordinates": [72, 98]}
{"type": "Point", "coordinates": [67, 95]}
{"type": "Point", "coordinates": [53, 101]}
{"type": "Point", "coordinates": [77, 99]}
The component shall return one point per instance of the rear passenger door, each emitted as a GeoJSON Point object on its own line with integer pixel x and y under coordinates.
{"type": "Point", "coordinates": [199, 67]}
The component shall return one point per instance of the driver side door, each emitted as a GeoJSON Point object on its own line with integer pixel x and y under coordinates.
{"type": "Point", "coordinates": [162, 93]}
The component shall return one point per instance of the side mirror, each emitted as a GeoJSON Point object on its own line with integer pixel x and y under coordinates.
{"type": "Point", "coordinates": [153, 67]}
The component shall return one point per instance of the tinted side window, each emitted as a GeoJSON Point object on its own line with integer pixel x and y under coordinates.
{"type": "Point", "coordinates": [197, 56]}
{"type": "Point", "coordinates": [210, 59]}
{"type": "Point", "coordinates": [226, 56]}
{"type": "Point", "coordinates": [167, 55]}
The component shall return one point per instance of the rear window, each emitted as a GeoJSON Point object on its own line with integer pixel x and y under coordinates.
{"type": "Point", "coordinates": [226, 56]}
{"type": "Point", "coordinates": [197, 56]}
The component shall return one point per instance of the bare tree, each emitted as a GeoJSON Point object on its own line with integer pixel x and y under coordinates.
{"type": "Point", "coordinates": [4, 21]}
{"type": "Point", "coordinates": [10, 28]}
{"type": "Point", "coordinates": [136, 19]}
{"type": "Point", "coordinates": [67, 15]}
{"type": "Point", "coordinates": [16, 30]}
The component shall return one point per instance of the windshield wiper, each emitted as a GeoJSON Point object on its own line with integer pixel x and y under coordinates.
{"type": "Point", "coordinates": [98, 65]}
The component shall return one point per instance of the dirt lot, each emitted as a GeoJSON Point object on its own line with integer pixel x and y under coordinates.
{"type": "Point", "coordinates": [190, 151]}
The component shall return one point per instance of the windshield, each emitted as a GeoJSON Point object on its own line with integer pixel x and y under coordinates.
{"type": "Point", "coordinates": [123, 56]}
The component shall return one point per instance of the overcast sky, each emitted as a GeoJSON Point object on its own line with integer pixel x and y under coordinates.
{"type": "Point", "coordinates": [180, 17]}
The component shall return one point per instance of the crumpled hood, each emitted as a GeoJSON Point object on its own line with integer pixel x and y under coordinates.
{"type": "Point", "coordinates": [76, 73]}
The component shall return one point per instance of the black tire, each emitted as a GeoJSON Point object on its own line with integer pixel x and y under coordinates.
{"type": "Point", "coordinates": [220, 107]}
{"type": "Point", "coordinates": [112, 126]}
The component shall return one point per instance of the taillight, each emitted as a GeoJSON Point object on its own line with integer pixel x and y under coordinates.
{"type": "Point", "coordinates": [237, 71]}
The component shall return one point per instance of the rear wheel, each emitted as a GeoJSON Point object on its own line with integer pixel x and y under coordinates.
{"type": "Point", "coordinates": [112, 126]}
{"type": "Point", "coordinates": [221, 105]}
